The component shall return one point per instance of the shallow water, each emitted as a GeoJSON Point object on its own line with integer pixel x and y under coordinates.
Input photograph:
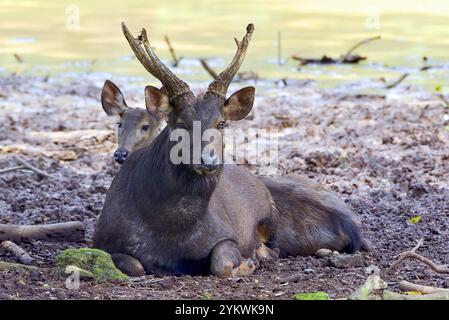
{"type": "Point", "coordinates": [51, 37]}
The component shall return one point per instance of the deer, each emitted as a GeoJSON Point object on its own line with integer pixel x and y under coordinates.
{"type": "Point", "coordinates": [159, 217]}
{"type": "Point", "coordinates": [311, 217]}
{"type": "Point", "coordinates": [136, 127]}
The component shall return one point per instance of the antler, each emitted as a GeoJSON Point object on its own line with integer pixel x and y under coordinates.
{"type": "Point", "coordinates": [221, 84]}
{"type": "Point", "coordinates": [174, 86]}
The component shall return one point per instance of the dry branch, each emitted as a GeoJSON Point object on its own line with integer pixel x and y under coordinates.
{"type": "Point", "coordinates": [10, 169]}
{"type": "Point", "coordinates": [408, 286]}
{"type": "Point", "coordinates": [176, 60]}
{"type": "Point", "coordinates": [69, 231]}
{"type": "Point", "coordinates": [209, 70]}
{"type": "Point", "coordinates": [398, 81]}
{"type": "Point", "coordinates": [18, 58]}
{"type": "Point", "coordinates": [21, 255]}
{"type": "Point", "coordinates": [411, 254]}
{"type": "Point", "coordinates": [348, 54]}
{"type": "Point", "coordinates": [390, 295]}
{"type": "Point", "coordinates": [33, 168]}
{"type": "Point", "coordinates": [348, 57]}
{"type": "Point", "coordinates": [279, 47]}
{"type": "Point", "coordinates": [444, 100]}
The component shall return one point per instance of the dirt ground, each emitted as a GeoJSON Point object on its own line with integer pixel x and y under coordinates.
{"type": "Point", "coordinates": [387, 154]}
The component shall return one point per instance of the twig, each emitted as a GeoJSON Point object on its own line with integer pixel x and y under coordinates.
{"type": "Point", "coordinates": [21, 255]}
{"type": "Point", "coordinates": [209, 70]}
{"type": "Point", "coordinates": [398, 81]}
{"type": "Point", "coordinates": [18, 58]}
{"type": "Point", "coordinates": [12, 169]}
{"type": "Point", "coordinates": [411, 254]}
{"type": "Point", "coordinates": [180, 288]}
{"type": "Point", "coordinates": [33, 168]}
{"type": "Point", "coordinates": [175, 61]}
{"type": "Point", "coordinates": [70, 231]}
{"type": "Point", "coordinates": [346, 56]}
{"type": "Point", "coordinates": [279, 49]}
{"type": "Point", "coordinates": [444, 100]}
{"type": "Point", "coordinates": [323, 60]}
{"type": "Point", "coordinates": [408, 286]}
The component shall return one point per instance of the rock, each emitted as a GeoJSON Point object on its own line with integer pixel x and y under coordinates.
{"type": "Point", "coordinates": [309, 270]}
{"type": "Point", "coordinates": [319, 295]}
{"type": "Point", "coordinates": [323, 253]}
{"type": "Point", "coordinates": [371, 290]}
{"type": "Point", "coordinates": [372, 269]}
{"type": "Point", "coordinates": [346, 260]}
{"type": "Point", "coordinates": [10, 266]}
{"type": "Point", "coordinates": [94, 261]}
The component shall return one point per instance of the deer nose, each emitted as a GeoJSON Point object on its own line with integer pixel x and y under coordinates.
{"type": "Point", "coordinates": [210, 161]}
{"type": "Point", "coordinates": [120, 155]}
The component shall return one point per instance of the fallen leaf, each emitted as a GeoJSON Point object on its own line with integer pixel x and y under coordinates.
{"type": "Point", "coordinates": [415, 220]}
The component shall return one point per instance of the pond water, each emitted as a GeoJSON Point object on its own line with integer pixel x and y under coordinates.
{"type": "Point", "coordinates": [80, 35]}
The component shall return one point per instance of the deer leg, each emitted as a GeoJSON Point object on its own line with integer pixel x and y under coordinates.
{"type": "Point", "coordinates": [263, 253]}
{"type": "Point", "coordinates": [226, 261]}
{"type": "Point", "coordinates": [128, 264]}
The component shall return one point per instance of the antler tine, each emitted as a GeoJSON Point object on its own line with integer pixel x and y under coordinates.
{"type": "Point", "coordinates": [174, 86]}
{"type": "Point", "coordinates": [221, 84]}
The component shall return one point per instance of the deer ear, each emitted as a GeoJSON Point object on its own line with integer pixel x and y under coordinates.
{"type": "Point", "coordinates": [112, 99]}
{"type": "Point", "coordinates": [157, 102]}
{"type": "Point", "coordinates": [239, 104]}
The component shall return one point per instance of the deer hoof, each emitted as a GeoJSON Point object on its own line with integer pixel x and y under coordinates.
{"type": "Point", "coordinates": [128, 265]}
{"type": "Point", "coordinates": [263, 253]}
{"type": "Point", "coordinates": [245, 268]}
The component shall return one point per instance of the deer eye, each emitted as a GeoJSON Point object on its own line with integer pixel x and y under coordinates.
{"type": "Point", "coordinates": [119, 124]}
{"type": "Point", "coordinates": [221, 124]}
{"type": "Point", "coordinates": [145, 127]}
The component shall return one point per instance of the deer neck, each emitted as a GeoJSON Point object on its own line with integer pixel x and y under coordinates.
{"type": "Point", "coordinates": [169, 192]}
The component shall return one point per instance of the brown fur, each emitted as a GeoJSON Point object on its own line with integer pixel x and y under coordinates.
{"type": "Point", "coordinates": [310, 217]}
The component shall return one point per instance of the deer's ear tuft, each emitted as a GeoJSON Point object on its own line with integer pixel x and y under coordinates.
{"type": "Point", "coordinates": [239, 104]}
{"type": "Point", "coordinates": [157, 102]}
{"type": "Point", "coordinates": [112, 99]}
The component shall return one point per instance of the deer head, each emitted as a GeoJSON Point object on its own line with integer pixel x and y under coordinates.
{"type": "Point", "coordinates": [136, 128]}
{"type": "Point", "coordinates": [184, 110]}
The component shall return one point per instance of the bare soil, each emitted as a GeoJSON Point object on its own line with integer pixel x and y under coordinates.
{"type": "Point", "coordinates": [387, 154]}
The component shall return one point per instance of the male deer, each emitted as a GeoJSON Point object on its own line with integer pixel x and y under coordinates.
{"type": "Point", "coordinates": [208, 217]}
{"type": "Point", "coordinates": [310, 217]}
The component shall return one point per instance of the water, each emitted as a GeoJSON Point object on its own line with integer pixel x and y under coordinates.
{"type": "Point", "coordinates": [46, 36]}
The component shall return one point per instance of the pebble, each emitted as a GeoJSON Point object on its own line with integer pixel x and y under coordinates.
{"type": "Point", "coordinates": [309, 270]}
{"type": "Point", "coordinates": [323, 253]}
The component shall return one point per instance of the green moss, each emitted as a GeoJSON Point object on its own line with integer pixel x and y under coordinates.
{"type": "Point", "coordinates": [319, 295]}
{"type": "Point", "coordinates": [98, 262]}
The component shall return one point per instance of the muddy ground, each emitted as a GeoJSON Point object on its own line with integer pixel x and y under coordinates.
{"type": "Point", "coordinates": [387, 154]}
